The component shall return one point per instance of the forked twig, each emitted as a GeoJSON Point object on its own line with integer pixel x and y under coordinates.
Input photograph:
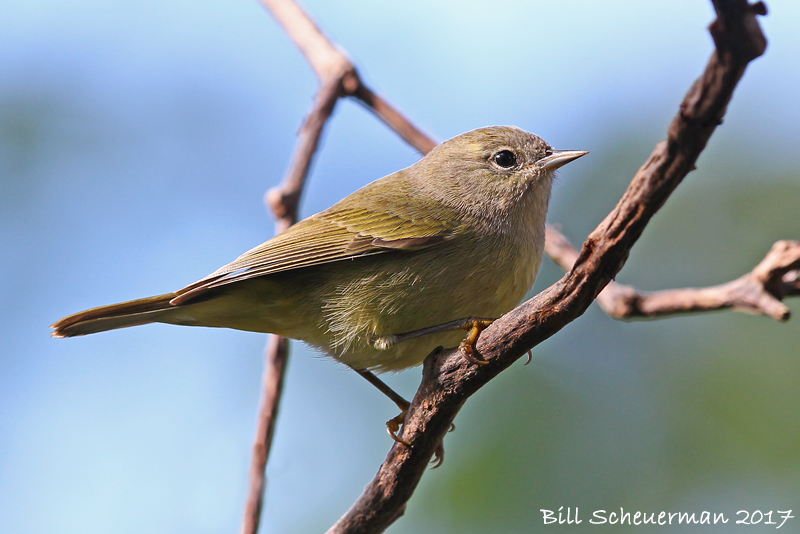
{"type": "Point", "coordinates": [338, 78]}
{"type": "Point", "coordinates": [760, 291]}
{"type": "Point", "coordinates": [332, 66]}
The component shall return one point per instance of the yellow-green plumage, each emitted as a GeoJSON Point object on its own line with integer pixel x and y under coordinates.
{"type": "Point", "coordinates": [456, 235]}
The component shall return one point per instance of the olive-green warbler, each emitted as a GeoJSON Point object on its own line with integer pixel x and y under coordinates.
{"type": "Point", "coordinates": [380, 279]}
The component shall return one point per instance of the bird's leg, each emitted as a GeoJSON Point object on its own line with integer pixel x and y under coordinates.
{"type": "Point", "coordinates": [393, 425]}
{"type": "Point", "coordinates": [475, 325]}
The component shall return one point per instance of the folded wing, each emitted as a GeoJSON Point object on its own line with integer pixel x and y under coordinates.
{"type": "Point", "coordinates": [337, 234]}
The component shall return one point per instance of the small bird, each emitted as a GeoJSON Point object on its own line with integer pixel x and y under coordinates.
{"type": "Point", "coordinates": [389, 273]}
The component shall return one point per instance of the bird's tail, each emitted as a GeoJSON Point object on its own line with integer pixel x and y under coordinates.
{"type": "Point", "coordinates": [124, 314]}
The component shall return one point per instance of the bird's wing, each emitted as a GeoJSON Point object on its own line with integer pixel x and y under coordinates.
{"type": "Point", "coordinates": [340, 233]}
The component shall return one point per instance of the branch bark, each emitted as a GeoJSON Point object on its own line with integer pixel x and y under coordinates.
{"type": "Point", "coordinates": [448, 380]}
{"type": "Point", "coordinates": [760, 291]}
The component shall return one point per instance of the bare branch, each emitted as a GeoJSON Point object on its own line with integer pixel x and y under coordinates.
{"type": "Point", "coordinates": [448, 380]}
{"type": "Point", "coordinates": [338, 78]}
{"type": "Point", "coordinates": [285, 199]}
{"type": "Point", "coordinates": [394, 119]}
{"type": "Point", "coordinates": [272, 388]}
{"type": "Point", "coordinates": [332, 66]}
{"type": "Point", "coordinates": [759, 291]}
{"type": "Point", "coordinates": [327, 60]}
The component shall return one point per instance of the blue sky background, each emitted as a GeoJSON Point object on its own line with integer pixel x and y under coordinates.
{"type": "Point", "coordinates": [136, 142]}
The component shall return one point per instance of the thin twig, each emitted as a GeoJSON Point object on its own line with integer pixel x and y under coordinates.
{"type": "Point", "coordinates": [331, 64]}
{"type": "Point", "coordinates": [394, 119]}
{"type": "Point", "coordinates": [272, 388]}
{"type": "Point", "coordinates": [284, 201]}
{"type": "Point", "coordinates": [759, 291]}
{"type": "Point", "coordinates": [448, 380]}
{"type": "Point", "coordinates": [338, 78]}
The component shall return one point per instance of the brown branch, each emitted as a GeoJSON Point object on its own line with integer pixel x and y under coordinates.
{"type": "Point", "coordinates": [394, 119]}
{"type": "Point", "coordinates": [448, 380]}
{"type": "Point", "coordinates": [272, 388]}
{"type": "Point", "coordinates": [338, 78]}
{"type": "Point", "coordinates": [759, 291]}
{"type": "Point", "coordinates": [332, 66]}
{"type": "Point", "coordinates": [284, 201]}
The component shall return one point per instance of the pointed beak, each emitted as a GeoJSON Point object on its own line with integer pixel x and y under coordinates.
{"type": "Point", "coordinates": [560, 158]}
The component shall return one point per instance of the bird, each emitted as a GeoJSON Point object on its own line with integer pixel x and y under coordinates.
{"type": "Point", "coordinates": [391, 272]}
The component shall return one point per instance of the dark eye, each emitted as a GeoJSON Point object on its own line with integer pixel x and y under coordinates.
{"type": "Point", "coordinates": [505, 159]}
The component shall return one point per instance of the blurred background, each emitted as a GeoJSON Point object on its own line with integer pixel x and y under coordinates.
{"type": "Point", "coordinates": [136, 142]}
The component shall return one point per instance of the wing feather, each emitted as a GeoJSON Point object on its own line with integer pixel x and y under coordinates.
{"type": "Point", "coordinates": [333, 235]}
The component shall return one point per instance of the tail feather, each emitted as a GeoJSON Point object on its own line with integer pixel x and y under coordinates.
{"type": "Point", "coordinates": [124, 314]}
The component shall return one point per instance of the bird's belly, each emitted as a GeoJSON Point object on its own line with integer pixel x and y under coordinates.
{"type": "Point", "coordinates": [341, 308]}
{"type": "Point", "coordinates": [417, 297]}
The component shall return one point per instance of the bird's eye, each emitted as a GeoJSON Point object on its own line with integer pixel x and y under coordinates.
{"type": "Point", "coordinates": [548, 152]}
{"type": "Point", "coordinates": [505, 159]}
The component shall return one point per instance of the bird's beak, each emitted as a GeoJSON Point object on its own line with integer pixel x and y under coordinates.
{"type": "Point", "coordinates": [559, 158]}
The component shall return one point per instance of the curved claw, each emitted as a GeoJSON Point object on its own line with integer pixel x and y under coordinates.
{"type": "Point", "coordinates": [530, 357]}
{"type": "Point", "coordinates": [438, 452]}
{"type": "Point", "coordinates": [466, 352]}
{"type": "Point", "coordinates": [393, 427]}
{"type": "Point", "coordinates": [438, 455]}
{"type": "Point", "coordinates": [467, 346]}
